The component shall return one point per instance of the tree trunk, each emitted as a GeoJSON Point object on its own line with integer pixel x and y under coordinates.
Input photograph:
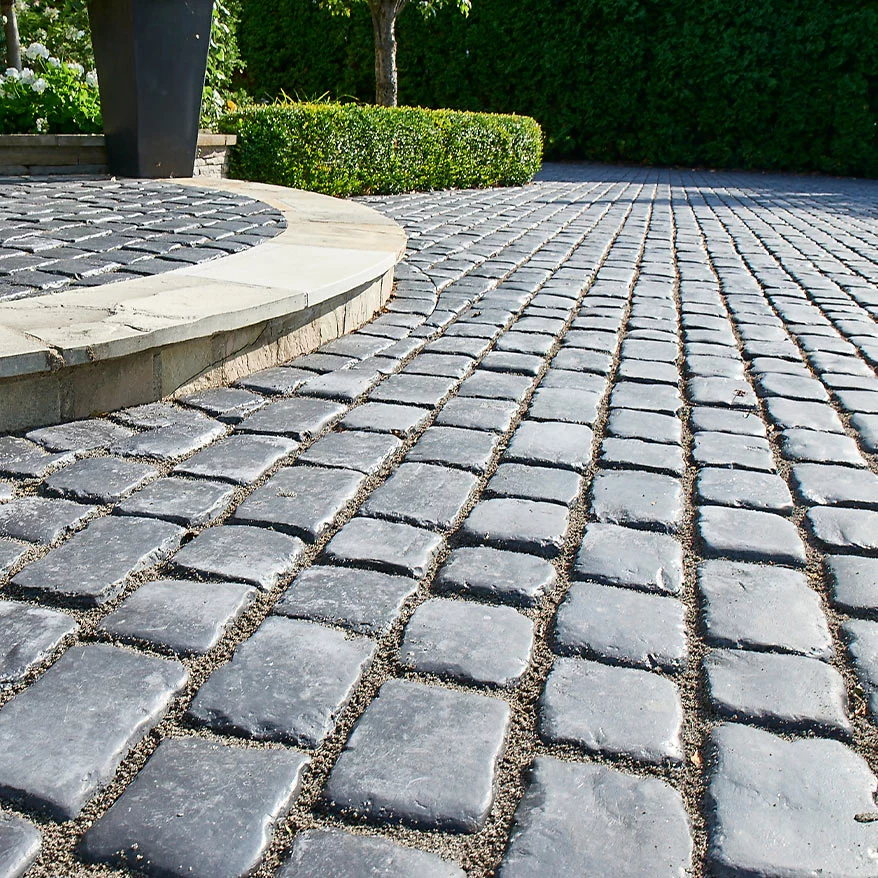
{"type": "Point", "coordinates": [384, 24]}
{"type": "Point", "coordinates": [10, 27]}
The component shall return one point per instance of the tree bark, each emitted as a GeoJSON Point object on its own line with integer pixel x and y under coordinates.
{"type": "Point", "coordinates": [10, 27]}
{"type": "Point", "coordinates": [384, 24]}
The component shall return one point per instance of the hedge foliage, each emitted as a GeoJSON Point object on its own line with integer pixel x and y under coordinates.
{"type": "Point", "coordinates": [347, 149]}
{"type": "Point", "coordinates": [774, 84]}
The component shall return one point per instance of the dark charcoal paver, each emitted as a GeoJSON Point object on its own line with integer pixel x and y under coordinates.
{"type": "Point", "coordinates": [381, 417]}
{"type": "Point", "coordinates": [638, 499]}
{"type": "Point", "coordinates": [761, 607]}
{"type": "Point", "coordinates": [300, 500]}
{"type": "Point", "coordinates": [788, 807]}
{"type": "Point", "coordinates": [469, 642]}
{"type": "Point", "coordinates": [419, 390]}
{"type": "Point", "coordinates": [625, 556]}
{"type": "Point", "coordinates": [365, 601]}
{"type": "Point", "coordinates": [622, 626]}
{"type": "Point", "coordinates": [19, 457]}
{"type": "Point", "coordinates": [245, 554]}
{"type": "Point", "coordinates": [789, 692]}
{"type": "Point", "coordinates": [28, 636]}
{"type": "Point", "coordinates": [182, 615]}
{"type": "Point", "coordinates": [169, 443]}
{"type": "Point", "coordinates": [287, 682]}
{"type": "Point", "coordinates": [385, 545]}
{"type": "Point", "coordinates": [238, 459]}
{"type": "Point", "coordinates": [352, 449]}
{"type": "Point", "coordinates": [747, 535]}
{"type": "Point", "coordinates": [518, 525]}
{"type": "Point", "coordinates": [80, 436]}
{"type": "Point", "coordinates": [198, 808]}
{"type": "Point", "coordinates": [297, 418]}
{"type": "Point", "coordinates": [20, 843]}
{"type": "Point", "coordinates": [424, 756]}
{"type": "Point", "coordinates": [186, 502]}
{"type": "Point", "coordinates": [100, 479]}
{"type": "Point", "coordinates": [423, 495]}
{"type": "Point", "coordinates": [228, 404]}
{"type": "Point", "coordinates": [580, 819]}
{"type": "Point", "coordinates": [40, 520]}
{"type": "Point", "coordinates": [56, 760]}
{"type": "Point", "coordinates": [326, 853]}
{"type": "Point", "coordinates": [854, 583]}
{"type": "Point", "coordinates": [493, 415]}
{"type": "Point", "coordinates": [11, 552]}
{"type": "Point", "coordinates": [281, 380]}
{"type": "Point", "coordinates": [508, 576]}
{"type": "Point", "coordinates": [104, 554]}
{"type": "Point", "coordinates": [611, 710]}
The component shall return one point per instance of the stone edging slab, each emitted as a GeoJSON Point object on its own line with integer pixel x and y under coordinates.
{"type": "Point", "coordinates": [66, 355]}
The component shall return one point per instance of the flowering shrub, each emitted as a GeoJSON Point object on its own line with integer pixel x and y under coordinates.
{"type": "Point", "coordinates": [49, 97]}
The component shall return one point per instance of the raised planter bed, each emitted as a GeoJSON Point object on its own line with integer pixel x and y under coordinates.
{"type": "Point", "coordinates": [44, 154]}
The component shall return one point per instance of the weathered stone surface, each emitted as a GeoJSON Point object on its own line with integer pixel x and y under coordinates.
{"type": "Point", "coordinates": [743, 489]}
{"type": "Point", "coordinates": [380, 417]}
{"type": "Point", "coordinates": [182, 615]}
{"type": "Point", "coordinates": [365, 601]}
{"type": "Point", "coordinates": [57, 760]}
{"type": "Point", "coordinates": [789, 413]}
{"type": "Point", "coordinates": [385, 545]}
{"type": "Point", "coordinates": [550, 443]}
{"type": "Point", "coordinates": [171, 442]}
{"type": "Point", "coordinates": [861, 637]}
{"type": "Point", "coordinates": [343, 384]}
{"type": "Point", "coordinates": [746, 535]}
{"type": "Point", "coordinates": [244, 554]}
{"type": "Point", "coordinates": [518, 525]}
{"type": "Point", "coordinates": [301, 500]}
{"type": "Point", "coordinates": [755, 606]}
{"type": "Point", "coordinates": [640, 455]}
{"type": "Point", "coordinates": [854, 583]}
{"type": "Point", "coordinates": [424, 756]}
{"type": "Point", "coordinates": [28, 636]}
{"type": "Point", "coordinates": [648, 426]}
{"type": "Point", "coordinates": [320, 853]}
{"type": "Point", "coordinates": [622, 626]}
{"type": "Point", "coordinates": [720, 420]}
{"type": "Point", "coordinates": [287, 682]}
{"type": "Point", "coordinates": [80, 436]}
{"type": "Point", "coordinates": [826, 485]}
{"type": "Point", "coordinates": [542, 483]}
{"type": "Point", "coordinates": [473, 413]}
{"type": "Point", "coordinates": [420, 390]}
{"type": "Point", "coordinates": [623, 556]}
{"type": "Point", "coordinates": [352, 449]}
{"type": "Point", "coordinates": [468, 642]}
{"type": "Point", "coordinates": [788, 692]}
{"type": "Point", "coordinates": [92, 566]}
{"type": "Point", "coordinates": [564, 405]}
{"type": "Point", "coordinates": [809, 445]}
{"type": "Point", "coordinates": [453, 446]}
{"type": "Point", "coordinates": [11, 552]}
{"type": "Point", "coordinates": [198, 808]}
{"type": "Point", "coordinates": [733, 450]}
{"type": "Point", "coordinates": [639, 499]}
{"type": "Point", "coordinates": [588, 819]}
{"type": "Point", "coordinates": [39, 520]}
{"type": "Point", "coordinates": [423, 495]}
{"type": "Point", "coordinates": [184, 501]}
{"type": "Point", "coordinates": [20, 843]}
{"type": "Point", "coordinates": [611, 710]}
{"type": "Point", "coordinates": [298, 418]}
{"type": "Point", "coordinates": [238, 459]}
{"type": "Point", "coordinates": [279, 380]}
{"type": "Point", "coordinates": [844, 529]}
{"type": "Point", "coordinates": [228, 404]}
{"type": "Point", "coordinates": [19, 457]}
{"type": "Point", "coordinates": [788, 807]}
{"type": "Point", "coordinates": [100, 479]}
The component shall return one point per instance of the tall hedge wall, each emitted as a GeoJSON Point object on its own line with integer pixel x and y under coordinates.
{"type": "Point", "coordinates": [771, 84]}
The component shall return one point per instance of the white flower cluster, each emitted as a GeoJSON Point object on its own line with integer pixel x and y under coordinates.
{"type": "Point", "coordinates": [27, 76]}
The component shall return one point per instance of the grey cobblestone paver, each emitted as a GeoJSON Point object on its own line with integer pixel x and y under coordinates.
{"type": "Point", "coordinates": [608, 455]}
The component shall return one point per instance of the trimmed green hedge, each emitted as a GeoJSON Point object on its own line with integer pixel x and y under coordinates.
{"type": "Point", "coordinates": [347, 149]}
{"type": "Point", "coordinates": [773, 84]}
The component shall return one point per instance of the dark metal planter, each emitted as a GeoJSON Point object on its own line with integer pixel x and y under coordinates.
{"type": "Point", "coordinates": [151, 58]}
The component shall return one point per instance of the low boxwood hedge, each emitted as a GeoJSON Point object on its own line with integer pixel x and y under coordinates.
{"type": "Point", "coordinates": [349, 149]}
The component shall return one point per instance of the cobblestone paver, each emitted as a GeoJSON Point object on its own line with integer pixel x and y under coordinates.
{"type": "Point", "coordinates": [566, 564]}
{"type": "Point", "coordinates": [58, 234]}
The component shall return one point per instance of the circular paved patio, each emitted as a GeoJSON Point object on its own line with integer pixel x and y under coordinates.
{"type": "Point", "coordinates": [566, 563]}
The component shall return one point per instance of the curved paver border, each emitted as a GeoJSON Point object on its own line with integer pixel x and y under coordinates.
{"type": "Point", "coordinates": [70, 354]}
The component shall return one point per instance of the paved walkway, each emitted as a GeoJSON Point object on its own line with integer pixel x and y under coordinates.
{"type": "Point", "coordinates": [567, 564]}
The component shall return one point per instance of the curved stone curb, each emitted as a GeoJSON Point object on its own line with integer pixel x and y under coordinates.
{"type": "Point", "coordinates": [69, 354]}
